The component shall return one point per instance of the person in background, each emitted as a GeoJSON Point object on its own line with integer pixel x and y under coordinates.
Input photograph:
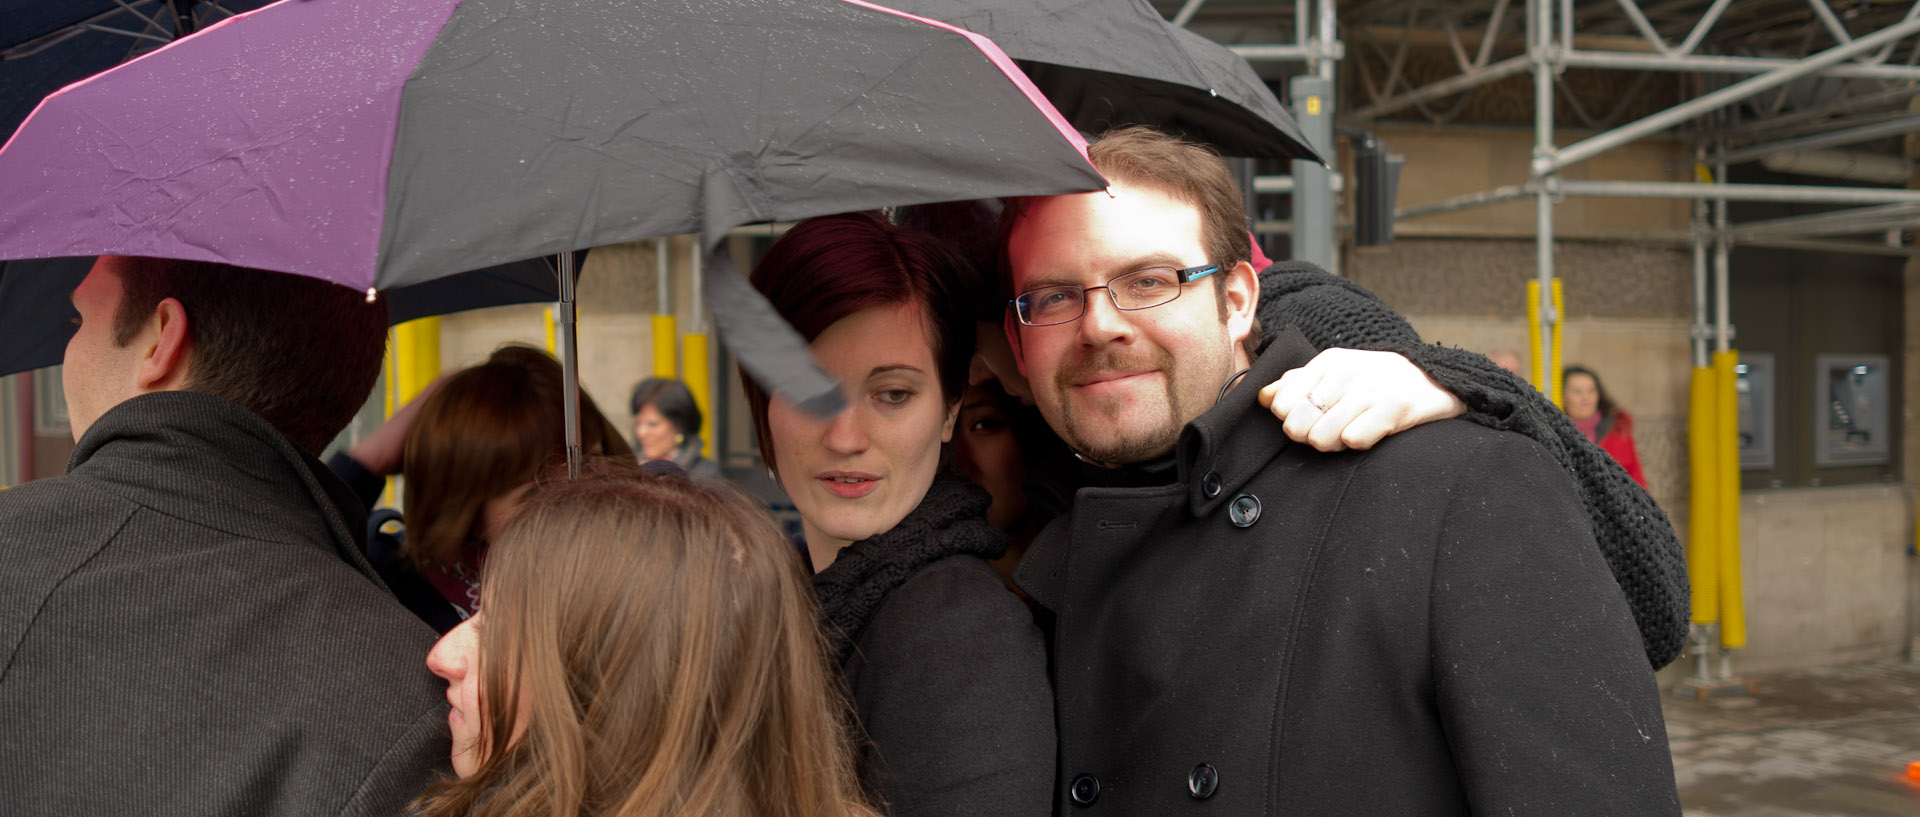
{"type": "Point", "coordinates": [469, 449]}
{"type": "Point", "coordinates": [187, 625]}
{"type": "Point", "coordinates": [646, 649]}
{"type": "Point", "coordinates": [1507, 359]}
{"type": "Point", "coordinates": [1606, 424]}
{"type": "Point", "coordinates": [666, 426]}
{"type": "Point", "coordinates": [993, 441]}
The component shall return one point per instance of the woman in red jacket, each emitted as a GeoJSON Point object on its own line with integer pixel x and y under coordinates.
{"type": "Point", "coordinates": [1606, 424]}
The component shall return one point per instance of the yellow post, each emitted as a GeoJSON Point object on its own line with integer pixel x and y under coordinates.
{"type": "Point", "coordinates": [700, 381]}
{"type": "Point", "coordinates": [1559, 328]}
{"type": "Point", "coordinates": [1733, 612]}
{"type": "Point", "coordinates": [553, 342]}
{"type": "Point", "coordinates": [1533, 338]}
{"type": "Point", "coordinates": [413, 363]}
{"type": "Point", "coordinates": [416, 347]}
{"type": "Point", "coordinates": [1703, 523]}
{"type": "Point", "coordinates": [665, 350]}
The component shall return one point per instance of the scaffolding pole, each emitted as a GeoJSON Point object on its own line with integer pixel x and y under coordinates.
{"type": "Point", "coordinates": [1848, 136]}
{"type": "Point", "coordinates": [1601, 143]}
{"type": "Point", "coordinates": [1539, 54]}
{"type": "Point", "coordinates": [1802, 194]}
{"type": "Point", "coordinates": [1715, 64]}
{"type": "Point", "coordinates": [1840, 222]}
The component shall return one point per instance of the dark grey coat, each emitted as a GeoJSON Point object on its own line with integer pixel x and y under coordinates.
{"type": "Point", "coordinates": [1422, 629]}
{"type": "Point", "coordinates": [949, 682]}
{"type": "Point", "coordinates": [187, 627]}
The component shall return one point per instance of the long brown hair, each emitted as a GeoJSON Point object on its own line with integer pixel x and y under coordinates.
{"type": "Point", "coordinates": [488, 429]}
{"type": "Point", "coordinates": [660, 639]}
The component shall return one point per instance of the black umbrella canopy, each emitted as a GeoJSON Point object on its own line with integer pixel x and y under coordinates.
{"type": "Point", "coordinates": [588, 122]}
{"type": "Point", "coordinates": [46, 44]}
{"type": "Point", "coordinates": [1108, 63]}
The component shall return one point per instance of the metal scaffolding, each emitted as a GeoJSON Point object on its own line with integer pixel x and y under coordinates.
{"type": "Point", "coordinates": [1782, 82]}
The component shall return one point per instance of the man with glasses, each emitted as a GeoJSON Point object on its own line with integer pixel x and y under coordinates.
{"type": "Point", "coordinates": [1424, 628]}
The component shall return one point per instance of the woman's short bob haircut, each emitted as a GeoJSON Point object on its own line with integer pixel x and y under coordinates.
{"type": "Point", "coordinates": [487, 430]}
{"type": "Point", "coordinates": [651, 647]}
{"type": "Point", "coordinates": [827, 268]}
{"type": "Point", "coordinates": [672, 399]}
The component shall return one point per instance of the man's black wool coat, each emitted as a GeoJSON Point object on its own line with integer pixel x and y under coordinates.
{"type": "Point", "coordinates": [1425, 628]}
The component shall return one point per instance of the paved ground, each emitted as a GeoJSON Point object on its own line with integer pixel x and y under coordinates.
{"type": "Point", "coordinates": [1831, 742]}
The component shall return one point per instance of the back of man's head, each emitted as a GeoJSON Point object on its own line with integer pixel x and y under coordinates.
{"type": "Point", "coordinates": [300, 352]}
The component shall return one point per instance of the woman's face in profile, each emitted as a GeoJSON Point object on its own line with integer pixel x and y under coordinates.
{"type": "Point", "coordinates": [860, 473]}
{"type": "Point", "coordinates": [456, 659]}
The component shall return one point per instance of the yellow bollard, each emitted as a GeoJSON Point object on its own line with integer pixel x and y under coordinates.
{"type": "Point", "coordinates": [415, 362]}
{"type": "Point", "coordinates": [416, 347]}
{"type": "Point", "coordinates": [1533, 338]}
{"type": "Point", "coordinates": [1733, 613]}
{"type": "Point", "coordinates": [1559, 328]}
{"type": "Point", "coordinates": [553, 343]}
{"type": "Point", "coordinates": [700, 381]}
{"type": "Point", "coordinates": [665, 349]}
{"type": "Point", "coordinates": [1703, 523]}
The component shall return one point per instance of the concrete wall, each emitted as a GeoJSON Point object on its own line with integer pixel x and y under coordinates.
{"type": "Point", "coordinates": [1826, 574]}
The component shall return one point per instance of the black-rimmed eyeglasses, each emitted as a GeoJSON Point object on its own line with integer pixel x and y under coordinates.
{"type": "Point", "coordinates": [1139, 289]}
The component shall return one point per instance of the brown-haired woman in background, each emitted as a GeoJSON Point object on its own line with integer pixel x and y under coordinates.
{"type": "Point", "coordinates": [1606, 424]}
{"type": "Point", "coordinates": [944, 664]}
{"type": "Point", "coordinates": [646, 649]}
{"type": "Point", "coordinates": [469, 449]}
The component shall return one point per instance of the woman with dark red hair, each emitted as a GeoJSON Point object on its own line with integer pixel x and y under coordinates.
{"type": "Point", "coordinates": [944, 666]}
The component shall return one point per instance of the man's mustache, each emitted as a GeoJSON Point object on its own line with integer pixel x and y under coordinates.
{"type": "Point", "coordinates": [1110, 361]}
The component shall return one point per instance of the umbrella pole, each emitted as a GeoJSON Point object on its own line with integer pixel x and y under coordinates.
{"type": "Point", "coordinates": [563, 315]}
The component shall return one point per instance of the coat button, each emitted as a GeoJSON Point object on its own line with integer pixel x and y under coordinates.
{"type": "Point", "coordinates": [1210, 484]}
{"type": "Point", "coordinates": [1202, 781]}
{"type": "Point", "coordinates": [1244, 510]}
{"type": "Point", "coordinates": [1085, 790]}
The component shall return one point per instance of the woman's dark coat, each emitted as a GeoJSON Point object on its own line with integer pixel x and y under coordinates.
{"type": "Point", "coordinates": [944, 666]}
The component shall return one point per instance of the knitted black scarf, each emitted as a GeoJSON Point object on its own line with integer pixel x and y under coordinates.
{"type": "Point", "coordinates": [951, 520]}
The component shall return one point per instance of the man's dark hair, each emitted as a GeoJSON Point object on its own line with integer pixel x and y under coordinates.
{"type": "Point", "coordinates": [300, 352]}
{"type": "Point", "coordinates": [672, 399]}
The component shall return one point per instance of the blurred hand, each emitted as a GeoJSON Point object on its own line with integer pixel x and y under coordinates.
{"type": "Point", "coordinates": [1347, 398]}
{"type": "Point", "coordinates": [382, 451]}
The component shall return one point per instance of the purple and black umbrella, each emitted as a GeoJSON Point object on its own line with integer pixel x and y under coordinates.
{"type": "Point", "coordinates": [379, 144]}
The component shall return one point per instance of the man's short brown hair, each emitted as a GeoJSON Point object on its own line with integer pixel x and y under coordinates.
{"type": "Point", "coordinates": [300, 352]}
{"type": "Point", "coordinates": [1188, 172]}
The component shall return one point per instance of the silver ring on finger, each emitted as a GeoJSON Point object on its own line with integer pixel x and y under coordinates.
{"type": "Point", "coordinates": [1316, 404]}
